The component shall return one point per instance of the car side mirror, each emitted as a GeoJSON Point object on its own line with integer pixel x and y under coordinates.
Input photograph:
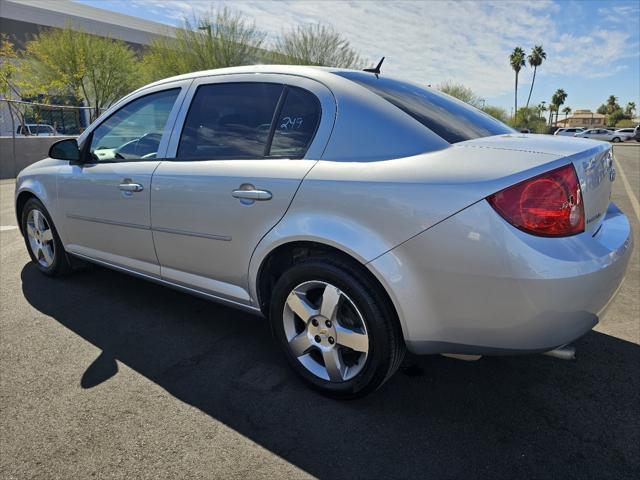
{"type": "Point", "coordinates": [65, 150]}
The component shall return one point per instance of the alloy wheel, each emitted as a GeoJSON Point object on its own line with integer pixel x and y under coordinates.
{"type": "Point", "coordinates": [325, 331]}
{"type": "Point", "coordinates": [40, 238]}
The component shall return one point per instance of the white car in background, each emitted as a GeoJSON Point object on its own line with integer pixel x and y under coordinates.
{"type": "Point", "coordinates": [568, 132]}
{"type": "Point", "coordinates": [36, 129]}
{"type": "Point", "coordinates": [604, 134]}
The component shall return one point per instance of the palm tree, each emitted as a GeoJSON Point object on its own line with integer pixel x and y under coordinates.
{"type": "Point", "coordinates": [535, 58]}
{"type": "Point", "coordinates": [542, 107]}
{"type": "Point", "coordinates": [557, 100]}
{"type": "Point", "coordinates": [630, 108]}
{"type": "Point", "coordinates": [612, 104]}
{"type": "Point", "coordinates": [552, 108]}
{"type": "Point", "coordinates": [517, 61]}
{"type": "Point", "coordinates": [566, 111]}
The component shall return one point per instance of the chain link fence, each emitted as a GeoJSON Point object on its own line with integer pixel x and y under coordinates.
{"type": "Point", "coordinates": [19, 117]}
{"type": "Point", "coordinates": [27, 130]}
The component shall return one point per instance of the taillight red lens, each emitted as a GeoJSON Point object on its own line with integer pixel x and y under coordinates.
{"type": "Point", "coordinates": [549, 205]}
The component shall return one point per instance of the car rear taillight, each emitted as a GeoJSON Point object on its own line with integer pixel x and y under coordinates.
{"type": "Point", "coordinates": [549, 205]}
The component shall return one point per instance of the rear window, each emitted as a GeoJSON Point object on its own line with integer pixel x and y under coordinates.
{"type": "Point", "coordinates": [451, 119]}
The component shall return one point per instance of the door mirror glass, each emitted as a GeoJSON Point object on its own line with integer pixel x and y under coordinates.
{"type": "Point", "coordinates": [65, 150]}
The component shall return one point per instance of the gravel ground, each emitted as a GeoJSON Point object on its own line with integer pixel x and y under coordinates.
{"type": "Point", "coordinates": [104, 375]}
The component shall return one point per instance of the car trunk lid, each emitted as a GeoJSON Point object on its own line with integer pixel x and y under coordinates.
{"type": "Point", "coordinates": [593, 161]}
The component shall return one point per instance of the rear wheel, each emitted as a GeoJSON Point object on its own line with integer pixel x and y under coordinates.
{"type": "Point", "coordinates": [615, 140]}
{"type": "Point", "coordinates": [42, 240]}
{"type": "Point", "coordinates": [338, 331]}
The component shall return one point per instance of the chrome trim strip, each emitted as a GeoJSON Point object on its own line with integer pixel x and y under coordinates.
{"type": "Point", "coordinates": [108, 222]}
{"type": "Point", "coordinates": [224, 238]}
{"type": "Point", "coordinates": [193, 291]}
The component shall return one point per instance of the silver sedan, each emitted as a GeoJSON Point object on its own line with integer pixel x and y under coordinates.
{"type": "Point", "coordinates": [361, 215]}
{"type": "Point", "coordinates": [614, 136]}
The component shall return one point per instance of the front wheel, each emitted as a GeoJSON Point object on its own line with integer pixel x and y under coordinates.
{"type": "Point", "coordinates": [42, 240]}
{"type": "Point", "coordinates": [615, 140]}
{"type": "Point", "coordinates": [337, 329]}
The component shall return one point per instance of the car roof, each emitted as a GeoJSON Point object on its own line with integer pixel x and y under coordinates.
{"type": "Point", "coordinates": [301, 70]}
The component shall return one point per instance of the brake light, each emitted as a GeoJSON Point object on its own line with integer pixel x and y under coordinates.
{"type": "Point", "coordinates": [549, 205]}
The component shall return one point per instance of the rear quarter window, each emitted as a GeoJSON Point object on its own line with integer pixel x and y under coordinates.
{"type": "Point", "coordinates": [451, 119]}
{"type": "Point", "coordinates": [296, 124]}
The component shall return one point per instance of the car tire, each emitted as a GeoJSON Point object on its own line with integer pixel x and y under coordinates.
{"type": "Point", "coordinates": [42, 240]}
{"type": "Point", "coordinates": [615, 140]}
{"type": "Point", "coordinates": [318, 299]}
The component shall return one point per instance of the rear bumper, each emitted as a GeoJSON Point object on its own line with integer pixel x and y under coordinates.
{"type": "Point", "coordinates": [474, 284]}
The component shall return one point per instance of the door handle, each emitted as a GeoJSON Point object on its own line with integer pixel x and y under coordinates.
{"type": "Point", "coordinates": [130, 187]}
{"type": "Point", "coordinates": [252, 194]}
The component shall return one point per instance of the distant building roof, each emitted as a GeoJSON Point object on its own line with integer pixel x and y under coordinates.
{"type": "Point", "coordinates": [586, 114]}
{"type": "Point", "coordinates": [25, 18]}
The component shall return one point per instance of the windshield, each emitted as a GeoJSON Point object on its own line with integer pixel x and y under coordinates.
{"type": "Point", "coordinates": [451, 119]}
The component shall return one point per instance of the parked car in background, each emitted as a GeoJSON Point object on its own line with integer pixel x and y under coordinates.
{"type": "Point", "coordinates": [411, 220]}
{"type": "Point", "coordinates": [36, 129]}
{"type": "Point", "coordinates": [628, 133]}
{"type": "Point", "coordinates": [603, 134]}
{"type": "Point", "coordinates": [568, 132]}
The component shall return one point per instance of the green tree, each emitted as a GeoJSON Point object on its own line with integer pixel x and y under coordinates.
{"type": "Point", "coordinates": [566, 111]}
{"type": "Point", "coordinates": [535, 58]}
{"type": "Point", "coordinates": [557, 100]}
{"type": "Point", "coordinates": [316, 44]}
{"type": "Point", "coordinates": [614, 117]}
{"type": "Point", "coordinates": [541, 108]}
{"type": "Point", "coordinates": [9, 67]}
{"type": "Point", "coordinates": [496, 112]}
{"type": "Point", "coordinates": [529, 118]}
{"type": "Point", "coordinates": [517, 61]}
{"type": "Point", "coordinates": [630, 109]}
{"type": "Point", "coordinates": [70, 62]}
{"type": "Point", "coordinates": [552, 108]}
{"type": "Point", "coordinates": [222, 38]}
{"type": "Point", "coordinates": [461, 92]}
{"type": "Point", "coordinates": [612, 104]}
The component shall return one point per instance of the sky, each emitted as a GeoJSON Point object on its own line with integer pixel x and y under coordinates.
{"type": "Point", "coordinates": [593, 47]}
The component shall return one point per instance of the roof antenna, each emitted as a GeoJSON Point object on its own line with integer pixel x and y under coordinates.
{"type": "Point", "coordinates": [375, 70]}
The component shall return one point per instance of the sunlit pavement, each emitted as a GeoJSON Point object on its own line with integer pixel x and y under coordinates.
{"type": "Point", "coordinates": [108, 376]}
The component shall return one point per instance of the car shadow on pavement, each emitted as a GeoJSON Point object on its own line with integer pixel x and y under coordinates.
{"type": "Point", "coordinates": [529, 416]}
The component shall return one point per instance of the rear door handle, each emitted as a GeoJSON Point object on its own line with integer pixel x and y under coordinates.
{"type": "Point", "coordinates": [130, 187]}
{"type": "Point", "coordinates": [252, 194]}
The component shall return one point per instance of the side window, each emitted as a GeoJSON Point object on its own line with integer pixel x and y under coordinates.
{"type": "Point", "coordinates": [134, 131]}
{"type": "Point", "coordinates": [229, 121]}
{"type": "Point", "coordinates": [296, 124]}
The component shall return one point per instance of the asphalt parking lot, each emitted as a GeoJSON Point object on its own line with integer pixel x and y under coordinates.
{"type": "Point", "coordinates": [107, 376]}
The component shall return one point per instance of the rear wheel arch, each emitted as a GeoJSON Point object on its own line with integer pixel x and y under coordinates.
{"type": "Point", "coordinates": [281, 258]}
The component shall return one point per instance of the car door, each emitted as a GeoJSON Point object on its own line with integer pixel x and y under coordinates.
{"type": "Point", "coordinates": [240, 152]}
{"type": "Point", "coordinates": [604, 134]}
{"type": "Point", "coordinates": [105, 199]}
{"type": "Point", "coordinates": [594, 134]}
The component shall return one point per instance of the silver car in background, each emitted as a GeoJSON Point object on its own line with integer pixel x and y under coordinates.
{"type": "Point", "coordinates": [360, 214]}
{"type": "Point", "coordinates": [614, 136]}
